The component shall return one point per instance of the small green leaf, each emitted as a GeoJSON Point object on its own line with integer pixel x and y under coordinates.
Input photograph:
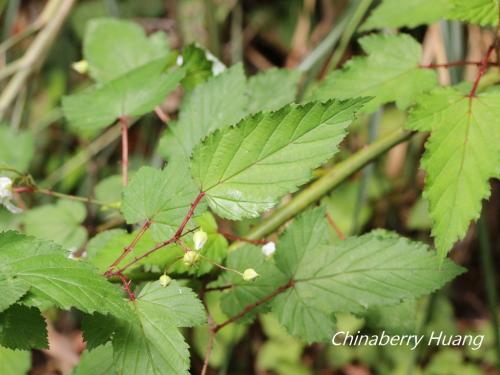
{"type": "Point", "coordinates": [245, 169]}
{"type": "Point", "coordinates": [462, 155]}
{"type": "Point", "coordinates": [216, 103]}
{"type": "Point", "coordinates": [133, 94]}
{"type": "Point", "coordinates": [390, 73]}
{"type": "Point", "coordinates": [481, 12]}
{"type": "Point", "coordinates": [410, 13]}
{"type": "Point", "coordinates": [198, 67]}
{"type": "Point", "coordinates": [114, 47]}
{"type": "Point", "coordinates": [23, 327]}
{"type": "Point", "coordinates": [161, 196]}
{"type": "Point", "coordinates": [97, 329]}
{"type": "Point", "coordinates": [60, 222]}
{"type": "Point", "coordinates": [55, 278]}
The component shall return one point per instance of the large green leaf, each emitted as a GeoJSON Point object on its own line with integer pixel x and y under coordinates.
{"type": "Point", "coordinates": [482, 12]}
{"type": "Point", "coordinates": [149, 342]}
{"type": "Point", "coordinates": [133, 94]}
{"type": "Point", "coordinates": [374, 269]}
{"type": "Point", "coordinates": [218, 102]}
{"type": "Point", "coordinates": [23, 327]}
{"type": "Point", "coordinates": [245, 169]}
{"type": "Point", "coordinates": [45, 267]}
{"type": "Point", "coordinates": [113, 47]}
{"type": "Point", "coordinates": [462, 155]}
{"type": "Point", "coordinates": [162, 196]}
{"type": "Point", "coordinates": [15, 362]}
{"type": "Point", "coordinates": [59, 222]}
{"type": "Point", "coordinates": [390, 73]}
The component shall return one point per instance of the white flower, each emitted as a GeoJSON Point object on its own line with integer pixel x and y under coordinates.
{"type": "Point", "coordinates": [199, 238]}
{"type": "Point", "coordinates": [249, 274]}
{"type": "Point", "coordinates": [81, 66]}
{"type": "Point", "coordinates": [190, 258]}
{"type": "Point", "coordinates": [180, 60]}
{"type": "Point", "coordinates": [217, 66]}
{"type": "Point", "coordinates": [165, 280]}
{"type": "Point", "coordinates": [6, 195]}
{"type": "Point", "coordinates": [269, 249]}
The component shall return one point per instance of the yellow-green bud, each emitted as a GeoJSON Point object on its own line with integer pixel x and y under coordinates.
{"type": "Point", "coordinates": [190, 258]}
{"type": "Point", "coordinates": [249, 274]}
{"type": "Point", "coordinates": [165, 280]}
{"type": "Point", "coordinates": [199, 238]}
{"type": "Point", "coordinates": [81, 66]}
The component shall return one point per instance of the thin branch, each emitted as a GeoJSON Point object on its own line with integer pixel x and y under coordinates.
{"type": "Point", "coordinates": [124, 133]}
{"type": "Point", "coordinates": [50, 193]}
{"type": "Point", "coordinates": [252, 306]}
{"type": "Point", "coordinates": [335, 227]}
{"type": "Point", "coordinates": [162, 115]}
{"type": "Point", "coordinates": [455, 63]}
{"type": "Point", "coordinates": [482, 70]}
{"type": "Point", "coordinates": [234, 237]}
{"type": "Point", "coordinates": [219, 288]}
{"type": "Point", "coordinates": [211, 341]}
{"type": "Point", "coordinates": [126, 286]}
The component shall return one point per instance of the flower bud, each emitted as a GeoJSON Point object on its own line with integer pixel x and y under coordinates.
{"type": "Point", "coordinates": [165, 280]}
{"type": "Point", "coordinates": [249, 274]}
{"type": "Point", "coordinates": [6, 195]}
{"type": "Point", "coordinates": [190, 258]}
{"type": "Point", "coordinates": [81, 66]}
{"type": "Point", "coordinates": [199, 238]}
{"type": "Point", "coordinates": [269, 249]}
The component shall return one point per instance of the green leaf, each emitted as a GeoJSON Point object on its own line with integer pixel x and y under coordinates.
{"type": "Point", "coordinates": [395, 319]}
{"type": "Point", "coordinates": [96, 362]}
{"type": "Point", "coordinates": [15, 362]}
{"type": "Point", "coordinates": [272, 89]}
{"type": "Point", "coordinates": [390, 73]}
{"type": "Point", "coordinates": [53, 277]}
{"type": "Point", "coordinates": [11, 289]}
{"type": "Point", "coordinates": [149, 342]}
{"type": "Point", "coordinates": [198, 67]}
{"type": "Point", "coordinates": [462, 155]}
{"type": "Point", "coordinates": [482, 12]}
{"type": "Point", "coordinates": [59, 222]}
{"type": "Point", "coordinates": [16, 149]}
{"type": "Point", "coordinates": [109, 189]}
{"type": "Point", "coordinates": [133, 94]}
{"type": "Point", "coordinates": [244, 293]}
{"type": "Point", "coordinates": [161, 196]}
{"type": "Point", "coordinates": [179, 305]}
{"type": "Point", "coordinates": [378, 268]}
{"type": "Point", "coordinates": [97, 329]}
{"type": "Point", "coordinates": [23, 327]}
{"type": "Point", "coordinates": [409, 13]}
{"type": "Point", "coordinates": [111, 47]}
{"type": "Point", "coordinates": [216, 103]}
{"type": "Point", "coordinates": [245, 169]}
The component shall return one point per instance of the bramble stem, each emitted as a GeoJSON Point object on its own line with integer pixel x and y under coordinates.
{"type": "Point", "coordinates": [126, 286]}
{"type": "Point", "coordinates": [482, 70]}
{"type": "Point", "coordinates": [335, 227]}
{"type": "Point", "coordinates": [234, 237]}
{"type": "Point", "coordinates": [455, 63]}
{"type": "Point", "coordinates": [124, 132]}
{"type": "Point", "coordinates": [28, 189]}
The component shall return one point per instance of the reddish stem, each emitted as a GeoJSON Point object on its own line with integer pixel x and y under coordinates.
{"type": "Point", "coordinates": [188, 216]}
{"type": "Point", "coordinates": [482, 70]}
{"type": "Point", "coordinates": [335, 227]}
{"type": "Point", "coordinates": [455, 63]}
{"type": "Point", "coordinates": [234, 237]}
{"type": "Point", "coordinates": [126, 286]}
{"type": "Point", "coordinates": [252, 306]}
{"type": "Point", "coordinates": [124, 131]}
{"type": "Point", "coordinates": [162, 115]}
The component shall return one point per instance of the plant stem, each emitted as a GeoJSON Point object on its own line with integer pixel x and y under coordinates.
{"type": "Point", "coordinates": [455, 63]}
{"type": "Point", "coordinates": [234, 237]}
{"type": "Point", "coordinates": [489, 280]}
{"type": "Point", "coordinates": [124, 133]}
{"type": "Point", "coordinates": [482, 70]}
{"type": "Point", "coordinates": [35, 54]}
{"type": "Point", "coordinates": [27, 189]}
{"type": "Point", "coordinates": [324, 184]}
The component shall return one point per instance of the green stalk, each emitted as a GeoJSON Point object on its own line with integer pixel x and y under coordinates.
{"type": "Point", "coordinates": [489, 279]}
{"type": "Point", "coordinates": [324, 184]}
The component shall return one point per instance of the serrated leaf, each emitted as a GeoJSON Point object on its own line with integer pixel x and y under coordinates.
{"type": "Point", "coordinates": [53, 277]}
{"type": "Point", "coordinates": [244, 293]}
{"type": "Point", "coordinates": [111, 47]}
{"type": "Point", "coordinates": [481, 12]}
{"type": "Point", "coordinates": [149, 343]}
{"type": "Point", "coordinates": [245, 169]}
{"type": "Point", "coordinates": [15, 362]}
{"type": "Point", "coordinates": [409, 13]}
{"type": "Point", "coordinates": [133, 94]}
{"type": "Point", "coordinates": [218, 102]}
{"type": "Point", "coordinates": [11, 289]}
{"type": "Point", "coordinates": [272, 89]}
{"type": "Point", "coordinates": [390, 73]}
{"type": "Point", "coordinates": [59, 222]}
{"type": "Point", "coordinates": [23, 327]}
{"type": "Point", "coordinates": [161, 196]}
{"type": "Point", "coordinates": [96, 362]}
{"type": "Point", "coordinates": [395, 319]}
{"type": "Point", "coordinates": [97, 329]}
{"type": "Point", "coordinates": [198, 67]}
{"type": "Point", "coordinates": [178, 304]}
{"type": "Point", "coordinates": [462, 155]}
{"type": "Point", "coordinates": [378, 268]}
{"type": "Point", "coordinates": [16, 149]}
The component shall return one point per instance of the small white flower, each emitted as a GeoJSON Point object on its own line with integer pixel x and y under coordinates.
{"type": "Point", "coordinates": [190, 258]}
{"type": "Point", "coordinates": [200, 238]}
{"type": "Point", "coordinates": [180, 60]}
{"type": "Point", "coordinates": [217, 66]}
{"type": "Point", "coordinates": [249, 274]}
{"type": "Point", "coordinates": [6, 195]}
{"type": "Point", "coordinates": [81, 66]}
{"type": "Point", "coordinates": [165, 280]}
{"type": "Point", "coordinates": [269, 249]}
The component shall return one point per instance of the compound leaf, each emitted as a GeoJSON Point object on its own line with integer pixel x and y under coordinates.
{"type": "Point", "coordinates": [244, 169]}
{"type": "Point", "coordinates": [390, 73]}
{"type": "Point", "coordinates": [461, 155]}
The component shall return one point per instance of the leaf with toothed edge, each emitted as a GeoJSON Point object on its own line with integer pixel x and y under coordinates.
{"type": "Point", "coordinates": [245, 169]}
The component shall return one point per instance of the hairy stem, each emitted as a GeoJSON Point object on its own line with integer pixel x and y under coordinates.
{"type": "Point", "coordinates": [124, 133]}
